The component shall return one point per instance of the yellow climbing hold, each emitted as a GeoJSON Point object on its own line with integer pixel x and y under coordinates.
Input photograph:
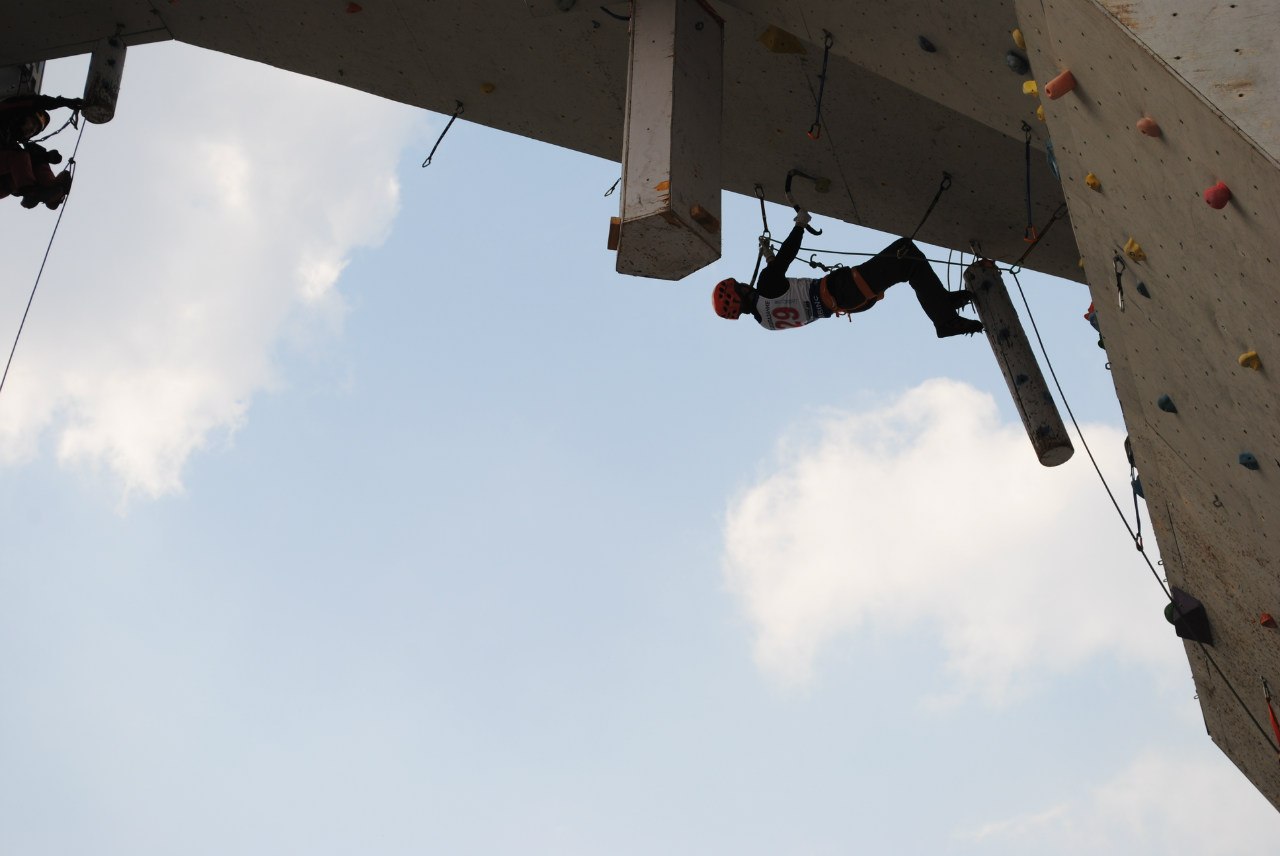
{"type": "Point", "coordinates": [1092, 181]}
{"type": "Point", "coordinates": [1250, 360]}
{"type": "Point", "coordinates": [1029, 88]}
{"type": "Point", "coordinates": [1040, 112]}
{"type": "Point", "coordinates": [1133, 250]}
{"type": "Point", "coordinates": [1018, 39]}
{"type": "Point", "coordinates": [1080, 264]}
{"type": "Point", "coordinates": [779, 41]}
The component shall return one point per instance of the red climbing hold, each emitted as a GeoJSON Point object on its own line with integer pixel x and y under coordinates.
{"type": "Point", "coordinates": [1148, 126]}
{"type": "Point", "coordinates": [1266, 620]}
{"type": "Point", "coordinates": [1060, 85]}
{"type": "Point", "coordinates": [352, 8]}
{"type": "Point", "coordinates": [1218, 196]}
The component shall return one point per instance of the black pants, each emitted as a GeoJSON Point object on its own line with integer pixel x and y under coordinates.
{"type": "Point", "coordinates": [886, 268]}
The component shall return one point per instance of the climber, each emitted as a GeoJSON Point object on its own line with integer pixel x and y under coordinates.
{"type": "Point", "coordinates": [780, 302]}
{"type": "Point", "coordinates": [25, 165]}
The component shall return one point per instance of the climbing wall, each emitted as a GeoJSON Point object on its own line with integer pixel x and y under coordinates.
{"type": "Point", "coordinates": [1197, 288]}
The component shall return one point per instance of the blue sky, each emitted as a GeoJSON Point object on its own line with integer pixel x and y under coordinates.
{"type": "Point", "coordinates": [352, 506]}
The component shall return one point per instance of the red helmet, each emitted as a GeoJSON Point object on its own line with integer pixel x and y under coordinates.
{"type": "Point", "coordinates": [726, 299]}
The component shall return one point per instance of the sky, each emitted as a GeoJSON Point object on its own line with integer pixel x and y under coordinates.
{"type": "Point", "coordinates": [351, 506]}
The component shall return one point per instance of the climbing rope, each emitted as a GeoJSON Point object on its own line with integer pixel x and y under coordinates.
{"type": "Point", "coordinates": [72, 120]}
{"type": "Point", "coordinates": [71, 165]}
{"type": "Point", "coordinates": [1136, 536]}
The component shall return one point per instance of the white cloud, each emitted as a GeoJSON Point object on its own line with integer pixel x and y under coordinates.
{"type": "Point", "coordinates": [931, 514]}
{"type": "Point", "coordinates": [1212, 809]}
{"type": "Point", "coordinates": [215, 213]}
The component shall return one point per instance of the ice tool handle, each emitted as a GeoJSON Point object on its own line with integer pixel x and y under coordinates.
{"type": "Point", "coordinates": [820, 184]}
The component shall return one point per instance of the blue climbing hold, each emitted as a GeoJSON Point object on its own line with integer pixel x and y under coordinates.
{"type": "Point", "coordinates": [1020, 380]}
{"type": "Point", "coordinates": [1165, 403]}
{"type": "Point", "coordinates": [1248, 461]}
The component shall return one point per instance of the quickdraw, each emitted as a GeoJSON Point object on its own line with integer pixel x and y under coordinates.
{"type": "Point", "coordinates": [766, 240]}
{"type": "Point", "coordinates": [943, 187]}
{"type": "Point", "coordinates": [1030, 234]}
{"type": "Point", "coordinates": [457, 111]}
{"type": "Point", "coordinates": [815, 130]}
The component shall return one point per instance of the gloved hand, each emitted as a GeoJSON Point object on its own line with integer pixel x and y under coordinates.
{"type": "Point", "coordinates": [802, 217]}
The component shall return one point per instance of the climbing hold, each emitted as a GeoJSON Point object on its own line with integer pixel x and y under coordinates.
{"type": "Point", "coordinates": [1080, 263]}
{"type": "Point", "coordinates": [352, 8]}
{"type": "Point", "coordinates": [779, 41]}
{"type": "Point", "coordinates": [1266, 620]}
{"type": "Point", "coordinates": [1020, 380]}
{"type": "Point", "coordinates": [1092, 317]}
{"type": "Point", "coordinates": [1029, 88]}
{"type": "Point", "coordinates": [1250, 360]}
{"type": "Point", "coordinates": [487, 88]}
{"type": "Point", "coordinates": [1091, 181]}
{"type": "Point", "coordinates": [1148, 126]}
{"type": "Point", "coordinates": [926, 45]}
{"type": "Point", "coordinates": [1218, 196]}
{"type": "Point", "coordinates": [1137, 487]}
{"type": "Point", "coordinates": [1142, 289]}
{"type": "Point", "coordinates": [1133, 250]}
{"type": "Point", "coordinates": [1188, 617]}
{"type": "Point", "coordinates": [1166, 404]}
{"type": "Point", "coordinates": [1018, 39]}
{"type": "Point", "coordinates": [1248, 461]}
{"type": "Point", "coordinates": [1060, 85]}
{"type": "Point", "coordinates": [1017, 63]}
{"type": "Point", "coordinates": [1040, 112]}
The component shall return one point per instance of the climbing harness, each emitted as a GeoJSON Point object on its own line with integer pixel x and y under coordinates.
{"type": "Point", "coordinates": [1030, 234]}
{"type": "Point", "coordinates": [71, 166]}
{"type": "Point", "coordinates": [457, 111]}
{"type": "Point", "coordinates": [943, 187]}
{"type": "Point", "coordinates": [815, 130]}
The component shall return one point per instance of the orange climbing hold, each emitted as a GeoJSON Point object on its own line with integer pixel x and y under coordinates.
{"type": "Point", "coordinates": [1250, 360]}
{"type": "Point", "coordinates": [1218, 196]}
{"type": "Point", "coordinates": [1148, 126]}
{"type": "Point", "coordinates": [1060, 85]}
{"type": "Point", "coordinates": [1092, 182]}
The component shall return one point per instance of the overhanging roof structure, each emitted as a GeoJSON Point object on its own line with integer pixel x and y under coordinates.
{"type": "Point", "coordinates": [1199, 282]}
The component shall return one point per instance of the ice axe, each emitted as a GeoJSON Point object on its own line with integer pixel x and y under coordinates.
{"type": "Point", "coordinates": [821, 185]}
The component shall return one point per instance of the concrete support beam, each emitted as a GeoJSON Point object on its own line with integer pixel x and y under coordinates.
{"type": "Point", "coordinates": [670, 217]}
{"type": "Point", "coordinates": [102, 84]}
